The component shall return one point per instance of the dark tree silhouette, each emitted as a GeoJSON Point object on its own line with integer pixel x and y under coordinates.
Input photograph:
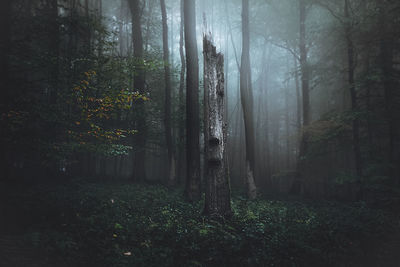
{"type": "Point", "coordinates": [192, 188]}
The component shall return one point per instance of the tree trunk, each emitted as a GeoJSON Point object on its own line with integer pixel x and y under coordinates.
{"type": "Point", "coordinates": [217, 198]}
{"type": "Point", "coordinates": [297, 186]}
{"type": "Point", "coordinates": [100, 6]}
{"type": "Point", "coordinates": [148, 26]}
{"type": "Point", "coordinates": [246, 95]}
{"type": "Point", "coordinates": [181, 129]}
{"type": "Point", "coordinates": [353, 93]}
{"type": "Point", "coordinates": [139, 169]}
{"type": "Point", "coordinates": [287, 127]}
{"type": "Point", "coordinates": [5, 13]}
{"type": "Point", "coordinates": [5, 45]}
{"type": "Point", "coordinates": [87, 8]}
{"type": "Point", "coordinates": [386, 58]}
{"type": "Point", "coordinates": [298, 97]}
{"type": "Point", "coordinates": [304, 65]}
{"type": "Point", "coordinates": [267, 154]}
{"type": "Point", "coordinates": [54, 49]}
{"type": "Point", "coordinates": [88, 34]}
{"type": "Point", "coordinates": [168, 129]}
{"type": "Point", "coordinates": [192, 188]}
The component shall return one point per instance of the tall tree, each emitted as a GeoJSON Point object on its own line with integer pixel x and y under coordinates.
{"type": "Point", "coordinates": [54, 48]}
{"type": "Point", "coordinates": [386, 65]}
{"type": "Point", "coordinates": [5, 45]}
{"type": "Point", "coordinates": [304, 64]}
{"type": "Point", "coordinates": [192, 188]}
{"type": "Point", "coordinates": [139, 170]}
{"type": "Point", "coordinates": [304, 70]}
{"type": "Point", "coordinates": [298, 96]}
{"type": "Point", "coordinates": [181, 127]}
{"type": "Point", "coordinates": [5, 19]}
{"type": "Point", "coordinates": [167, 118]}
{"type": "Point", "coordinates": [352, 88]}
{"type": "Point", "coordinates": [217, 197]}
{"type": "Point", "coordinates": [246, 95]}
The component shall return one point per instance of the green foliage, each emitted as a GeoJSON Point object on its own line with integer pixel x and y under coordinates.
{"type": "Point", "coordinates": [71, 94]}
{"type": "Point", "coordinates": [139, 225]}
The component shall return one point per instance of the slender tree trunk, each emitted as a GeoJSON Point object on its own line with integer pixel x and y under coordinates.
{"type": "Point", "coordinates": [100, 18]}
{"type": "Point", "coordinates": [217, 198]}
{"type": "Point", "coordinates": [237, 133]}
{"type": "Point", "coordinates": [297, 186]}
{"type": "Point", "coordinates": [298, 107]}
{"type": "Point", "coordinates": [267, 156]}
{"type": "Point", "coordinates": [168, 128]}
{"type": "Point", "coordinates": [386, 58]}
{"type": "Point", "coordinates": [267, 151]}
{"type": "Point", "coordinates": [139, 169]}
{"type": "Point", "coordinates": [246, 95]}
{"type": "Point", "coordinates": [275, 140]}
{"type": "Point", "coordinates": [87, 8]}
{"type": "Point", "coordinates": [192, 188]}
{"type": "Point", "coordinates": [5, 43]}
{"type": "Point", "coordinates": [54, 48]}
{"type": "Point", "coordinates": [172, 41]}
{"type": "Point", "coordinates": [121, 35]}
{"type": "Point", "coordinates": [88, 30]}
{"type": "Point", "coordinates": [226, 64]}
{"type": "Point", "coordinates": [148, 24]}
{"type": "Point", "coordinates": [298, 96]}
{"type": "Point", "coordinates": [287, 128]}
{"type": "Point", "coordinates": [181, 129]}
{"type": "Point", "coordinates": [100, 5]}
{"type": "Point", "coordinates": [5, 46]}
{"type": "Point", "coordinates": [304, 65]}
{"type": "Point", "coordinates": [262, 133]}
{"type": "Point", "coordinates": [352, 90]}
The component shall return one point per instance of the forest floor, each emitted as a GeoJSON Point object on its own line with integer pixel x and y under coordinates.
{"type": "Point", "coordinates": [104, 224]}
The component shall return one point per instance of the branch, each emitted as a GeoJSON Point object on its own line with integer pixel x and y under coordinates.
{"type": "Point", "coordinates": [333, 13]}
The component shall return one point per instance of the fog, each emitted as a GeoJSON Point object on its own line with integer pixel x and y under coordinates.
{"type": "Point", "coordinates": [319, 71]}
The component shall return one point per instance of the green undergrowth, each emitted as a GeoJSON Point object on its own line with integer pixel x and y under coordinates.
{"type": "Point", "coordinates": [143, 225]}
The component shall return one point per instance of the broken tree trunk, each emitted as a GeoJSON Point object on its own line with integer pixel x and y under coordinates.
{"type": "Point", "coordinates": [217, 198]}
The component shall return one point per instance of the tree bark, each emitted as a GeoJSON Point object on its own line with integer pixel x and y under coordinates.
{"type": "Point", "coordinates": [87, 8]}
{"type": "Point", "coordinates": [139, 169]}
{"type": "Point", "coordinates": [246, 95]}
{"type": "Point", "coordinates": [217, 197]}
{"type": "Point", "coordinates": [297, 186]}
{"type": "Point", "coordinates": [267, 154]}
{"type": "Point", "coordinates": [168, 129]}
{"type": "Point", "coordinates": [298, 96]}
{"type": "Point", "coordinates": [287, 127]}
{"type": "Point", "coordinates": [5, 43]}
{"type": "Point", "coordinates": [181, 127]}
{"type": "Point", "coordinates": [304, 65]}
{"type": "Point", "coordinates": [352, 90]}
{"type": "Point", "coordinates": [192, 188]}
{"type": "Point", "coordinates": [54, 48]}
{"type": "Point", "coordinates": [5, 46]}
{"type": "Point", "coordinates": [386, 62]}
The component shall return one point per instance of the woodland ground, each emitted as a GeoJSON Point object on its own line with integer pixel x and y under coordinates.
{"type": "Point", "coordinates": [103, 224]}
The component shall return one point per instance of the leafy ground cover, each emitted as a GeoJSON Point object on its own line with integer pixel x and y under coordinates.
{"type": "Point", "coordinates": [88, 224]}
